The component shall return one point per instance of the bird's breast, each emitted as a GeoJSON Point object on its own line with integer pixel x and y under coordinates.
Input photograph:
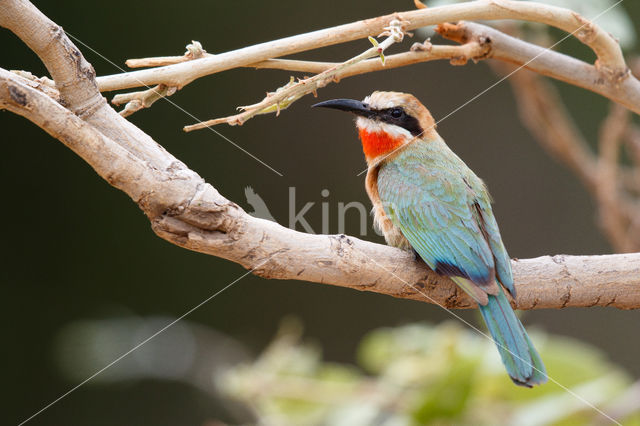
{"type": "Point", "coordinates": [376, 143]}
{"type": "Point", "coordinates": [392, 234]}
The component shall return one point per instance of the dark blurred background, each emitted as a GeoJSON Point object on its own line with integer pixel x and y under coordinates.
{"type": "Point", "coordinates": [77, 250]}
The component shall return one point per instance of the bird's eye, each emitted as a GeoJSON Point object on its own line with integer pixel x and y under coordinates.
{"type": "Point", "coordinates": [396, 112]}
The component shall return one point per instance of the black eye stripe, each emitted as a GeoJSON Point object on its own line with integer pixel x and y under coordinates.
{"type": "Point", "coordinates": [396, 112]}
{"type": "Point", "coordinates": [399, 117]}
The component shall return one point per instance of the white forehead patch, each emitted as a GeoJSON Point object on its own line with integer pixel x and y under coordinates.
{"type": "Point", "coordinates": [377, 101]}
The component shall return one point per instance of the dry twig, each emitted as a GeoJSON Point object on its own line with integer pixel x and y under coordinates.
{"type": "Point", "coordinates": [288, 94]}
{"type": "Point", "coordinates": [420, 52]}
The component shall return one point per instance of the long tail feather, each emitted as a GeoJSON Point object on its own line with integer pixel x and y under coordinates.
{"type": "Point", "coordinates": [516, 349]}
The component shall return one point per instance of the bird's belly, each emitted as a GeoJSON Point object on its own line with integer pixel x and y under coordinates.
{"type": "Point", "coordinates": [392, 234]}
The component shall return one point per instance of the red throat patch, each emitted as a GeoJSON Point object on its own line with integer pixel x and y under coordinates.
{"type": "Point", "coordinates": [378, 143]}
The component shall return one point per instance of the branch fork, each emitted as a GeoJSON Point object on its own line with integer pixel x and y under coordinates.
{"type": "Point", "coordinates": [136, 101]}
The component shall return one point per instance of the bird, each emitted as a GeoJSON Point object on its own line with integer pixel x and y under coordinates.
{"type": "Point", "coordinates": [427, 200]}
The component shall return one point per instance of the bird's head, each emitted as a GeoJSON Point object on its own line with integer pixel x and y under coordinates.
{"type": "Point", "coordinates": [387, 121]}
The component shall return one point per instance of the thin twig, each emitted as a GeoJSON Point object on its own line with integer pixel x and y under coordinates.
{"type": "Point", "coordinates": [420, 52]}
{"type": "Point", "coordinates": [458, 55]}
{"type": "Point", "coordinates": [194, 51]}
{"type": "Point", "coordinates": [426, 52]}
{"type": "Point", "coordinates": [286, 95]}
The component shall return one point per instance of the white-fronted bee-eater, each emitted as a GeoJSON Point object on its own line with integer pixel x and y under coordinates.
{"type": "Point", "coordinates": [425, 198]}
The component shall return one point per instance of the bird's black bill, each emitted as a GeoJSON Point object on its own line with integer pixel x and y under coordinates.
{"type": "Point", "coordinates": [356, 107]}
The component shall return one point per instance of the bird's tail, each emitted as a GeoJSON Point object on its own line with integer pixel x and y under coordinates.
{"type": "Point", "coordinates": [516, 350]}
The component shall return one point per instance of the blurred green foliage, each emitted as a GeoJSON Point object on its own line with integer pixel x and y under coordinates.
{"type": "Point", "coordinates": [426, 374]}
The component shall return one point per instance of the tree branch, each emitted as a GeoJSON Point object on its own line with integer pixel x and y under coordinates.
{"type": "Point", "coordinates": [506, 48]}
{"type": "Point", "coordinates": [458, 55]}
{"type": "Point", "coordinates": [609, 76]}
{"type": "Point", "coordinates": [285, 96]}
{"type": "Point", "coordinates": [479, 42]}
{"type": "Point", "coordinates": [419, 53]}
{"type": "Point", "coordinates": [610, 60]}
{"type": "Point", "coordinates": [190, 213]}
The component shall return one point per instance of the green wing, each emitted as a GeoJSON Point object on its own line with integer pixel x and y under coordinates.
{"type": "Point", "coordinates": [500, 255]}
{"type": "Point", "coordinates": [443, 216]}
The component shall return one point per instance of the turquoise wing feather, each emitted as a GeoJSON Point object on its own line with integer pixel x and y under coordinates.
{"type": "Point", "coordinates": [436, 211]}
{"type": "Point", "coordinates": [500, 255]}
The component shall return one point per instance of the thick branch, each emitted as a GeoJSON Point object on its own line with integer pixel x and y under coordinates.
{"type": "Point", "coordinates": [154, 189]}
{"type": "Point", "coordinates": [75, 80]}
{"type": "Point", "coordinates": [192, 214]}
{"type": "Point", "coordinates": [73, 75]}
